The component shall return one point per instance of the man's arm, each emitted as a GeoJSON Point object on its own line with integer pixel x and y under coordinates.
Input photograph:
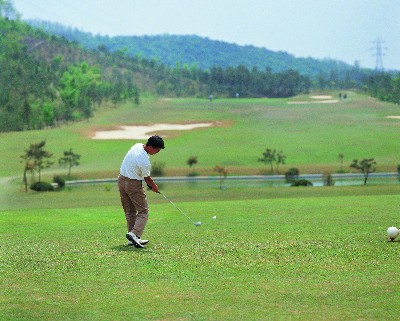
{"type": "Point", "coordinates": [149, 181]}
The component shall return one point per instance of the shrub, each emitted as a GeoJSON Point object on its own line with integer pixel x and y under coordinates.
{"type": "Point", "coordinates": [301, 182]}
{"type": "Point", "coordinates": [192, 160]}
{"type": "Point", "coordinates": [42, 187]}
{"type": "Point", "coordinates": [60, 181]}
{"type": "Point", "coordinates": [292, 174]}
{"type": "Point", "coordinates": [157, 169]}
{"type": "Point", "coordinates": [222, 172]}
{"type": "Point", "coordinates": [328, 180]}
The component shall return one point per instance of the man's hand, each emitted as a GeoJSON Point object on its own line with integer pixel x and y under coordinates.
{"type": "Point", "coordinates": [151, 184]}
{"type": "Point", "coordinates": [153, 187]}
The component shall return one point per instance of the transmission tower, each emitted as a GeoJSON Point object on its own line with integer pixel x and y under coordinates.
{"type": "Point", "coordinates": [379, 52]}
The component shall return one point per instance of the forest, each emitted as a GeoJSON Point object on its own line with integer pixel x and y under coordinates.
{"type": "Point", "coordinates": [47, 80]}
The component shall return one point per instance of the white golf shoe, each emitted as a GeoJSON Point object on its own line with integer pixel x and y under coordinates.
{"type": "Point", "coordinates": [143, 242]}
{"type": "Point", "coordinates": [134, 239]}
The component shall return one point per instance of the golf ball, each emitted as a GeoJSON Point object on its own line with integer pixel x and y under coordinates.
{"type": "Point", "coordinates": [214, 218]}
{"type": "Point", "coordinates": [393, 232]}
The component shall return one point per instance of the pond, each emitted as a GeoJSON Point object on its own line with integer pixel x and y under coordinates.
{"type": "Point", "coordinates": [279, 180]}
{"type": "Point", "coordinates": [266, 180]}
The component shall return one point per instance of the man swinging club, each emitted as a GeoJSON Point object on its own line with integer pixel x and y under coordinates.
{"type": "Point", "coordinates": [134, 169]}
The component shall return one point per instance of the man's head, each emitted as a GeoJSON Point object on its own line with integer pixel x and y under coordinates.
{"type": "Point", "coordinates": [154, 145]}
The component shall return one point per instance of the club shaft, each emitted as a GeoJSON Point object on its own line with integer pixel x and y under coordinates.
{"type": "Point", "coordinates": [176, 207]}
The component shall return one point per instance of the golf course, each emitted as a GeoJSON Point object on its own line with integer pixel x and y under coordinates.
{"type": "Point", "coordinates": [261, 253]}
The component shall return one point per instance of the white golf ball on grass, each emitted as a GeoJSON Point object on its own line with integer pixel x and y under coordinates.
{"type": "Point", "coordinates": [393, 232]}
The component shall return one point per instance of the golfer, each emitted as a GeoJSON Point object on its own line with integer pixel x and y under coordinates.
{"type": "Point", "coordinates": [134, 170]}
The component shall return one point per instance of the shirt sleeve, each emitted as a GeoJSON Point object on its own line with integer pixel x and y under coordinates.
{"type": "Point", "coordinates": [145, 170]}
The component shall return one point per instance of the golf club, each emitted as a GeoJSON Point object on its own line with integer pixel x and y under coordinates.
{"type": "Point", "coordinates": [195, 223]}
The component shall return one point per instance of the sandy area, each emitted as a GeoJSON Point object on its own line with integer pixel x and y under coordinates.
{"type": "Point", "coordinates": [143, 132]}
{"type": "Point", "coordinates": [393, 117]}
{"type": "Point", "coordinates": [321, 97]}
{"type": "Point", "coordinates": [330, 101]}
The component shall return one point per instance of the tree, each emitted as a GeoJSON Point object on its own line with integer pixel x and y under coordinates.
{"type": "Point", "coordinates": [269, 157]}
{"type": "Point", "coordinates": [280, 159]}
{"type": "Point", "coordinates": [398, 171]}
{"type": "Point", "coordinates": [328, 180]}
{"type": "Point", "coordinates": [30, 166]}
{"type": "Point", "coordinates": [341, 158]}
{"type": "Point", "coordinates": [78, 88]}
{"type": "Point", "coordinates": [292, 175]}
{"type": "Point", "coordinates": [38, 158]}
{"type": "Point", "coordinates": [69, 159]}
{"type": "Point", "coordinates": [191, 161]}
{"type": "Point", "coordinates": [222, 172]}
{"type": "Point", "coordinates": [366, 166]}
{"type": "Point", "coordinates": [7, 10]}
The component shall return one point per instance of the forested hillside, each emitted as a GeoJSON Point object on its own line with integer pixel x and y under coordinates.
{"type": "Point", "coordinates": [200, 52]}
{"type": "Point", "coordinates": [225, 68]}
{"type": "Point", "coordinates": [47, 80]}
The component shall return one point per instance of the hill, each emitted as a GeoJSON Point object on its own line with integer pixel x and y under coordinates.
{"type": "Point", "coordinates": [48, 80]}
{"type": "Point", "coordinates": [193, 50]}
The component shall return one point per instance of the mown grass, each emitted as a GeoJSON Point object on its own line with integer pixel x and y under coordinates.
{"type": "Point", "coordinates": [316, 253]}
{"type": "Point", "coordinates": [311, 136]}
{"type": "Point", "coordinates": [304, 257]}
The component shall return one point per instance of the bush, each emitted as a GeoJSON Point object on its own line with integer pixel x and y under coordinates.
{"type": "Point", "coordinates": [301, 182]}
{"type": "Point", "coordinates": [60, 181]}
{"type": "Point", "coordinates": [328, 180]}
{"type": "Point", "coordinates": [42, 187]}
{"type": "Point", "coordinates": [157, 169]}
{"type": "Point", "coordinates": [292, 174]}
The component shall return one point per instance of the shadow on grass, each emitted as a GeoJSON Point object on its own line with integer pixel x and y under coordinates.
{"type": "Point", "coordinates": [125, 248]}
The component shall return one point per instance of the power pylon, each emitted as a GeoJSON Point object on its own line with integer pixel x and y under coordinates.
{"type": "Point", "coordinates": [379, 52]}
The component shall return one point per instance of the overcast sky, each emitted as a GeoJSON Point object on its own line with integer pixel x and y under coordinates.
{"type": "Point", "coordinates": [346, 30]}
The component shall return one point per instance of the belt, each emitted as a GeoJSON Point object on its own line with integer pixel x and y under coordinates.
{"type": "Point", "coordinates": [128, 179]}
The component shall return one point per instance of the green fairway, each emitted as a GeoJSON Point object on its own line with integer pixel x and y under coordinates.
{"type": "Point", "coordinates": [311, 135]}
{"type": "Point", "coordinates": [281, 257]}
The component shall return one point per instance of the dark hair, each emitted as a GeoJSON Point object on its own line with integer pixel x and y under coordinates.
{"type": "Point", "coordinates": [155, 142]}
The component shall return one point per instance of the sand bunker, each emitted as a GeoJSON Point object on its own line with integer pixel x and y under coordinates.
{"type": "Point", "coordinates": [320, 99]}
{"type": "Point", "coordinates": [393, 117]}
{"type": "Point", "coordinates": [143, 132]}
{"type": "Point", "coordinates": [330, 101]}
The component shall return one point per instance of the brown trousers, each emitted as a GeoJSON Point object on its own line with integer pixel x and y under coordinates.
{"type": "Point", "coordinates": [134, 203]}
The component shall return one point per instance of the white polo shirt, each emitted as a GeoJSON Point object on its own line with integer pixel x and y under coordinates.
{"type": "Point", "coordinates": [136, 164]}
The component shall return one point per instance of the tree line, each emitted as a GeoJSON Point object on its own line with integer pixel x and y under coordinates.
{"type": "Point", "coordinates": [384, 86]}
{"type": "Point", "coordinates": [38, 91]}
{"type": "Point", "coordinates": [46, 80]}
